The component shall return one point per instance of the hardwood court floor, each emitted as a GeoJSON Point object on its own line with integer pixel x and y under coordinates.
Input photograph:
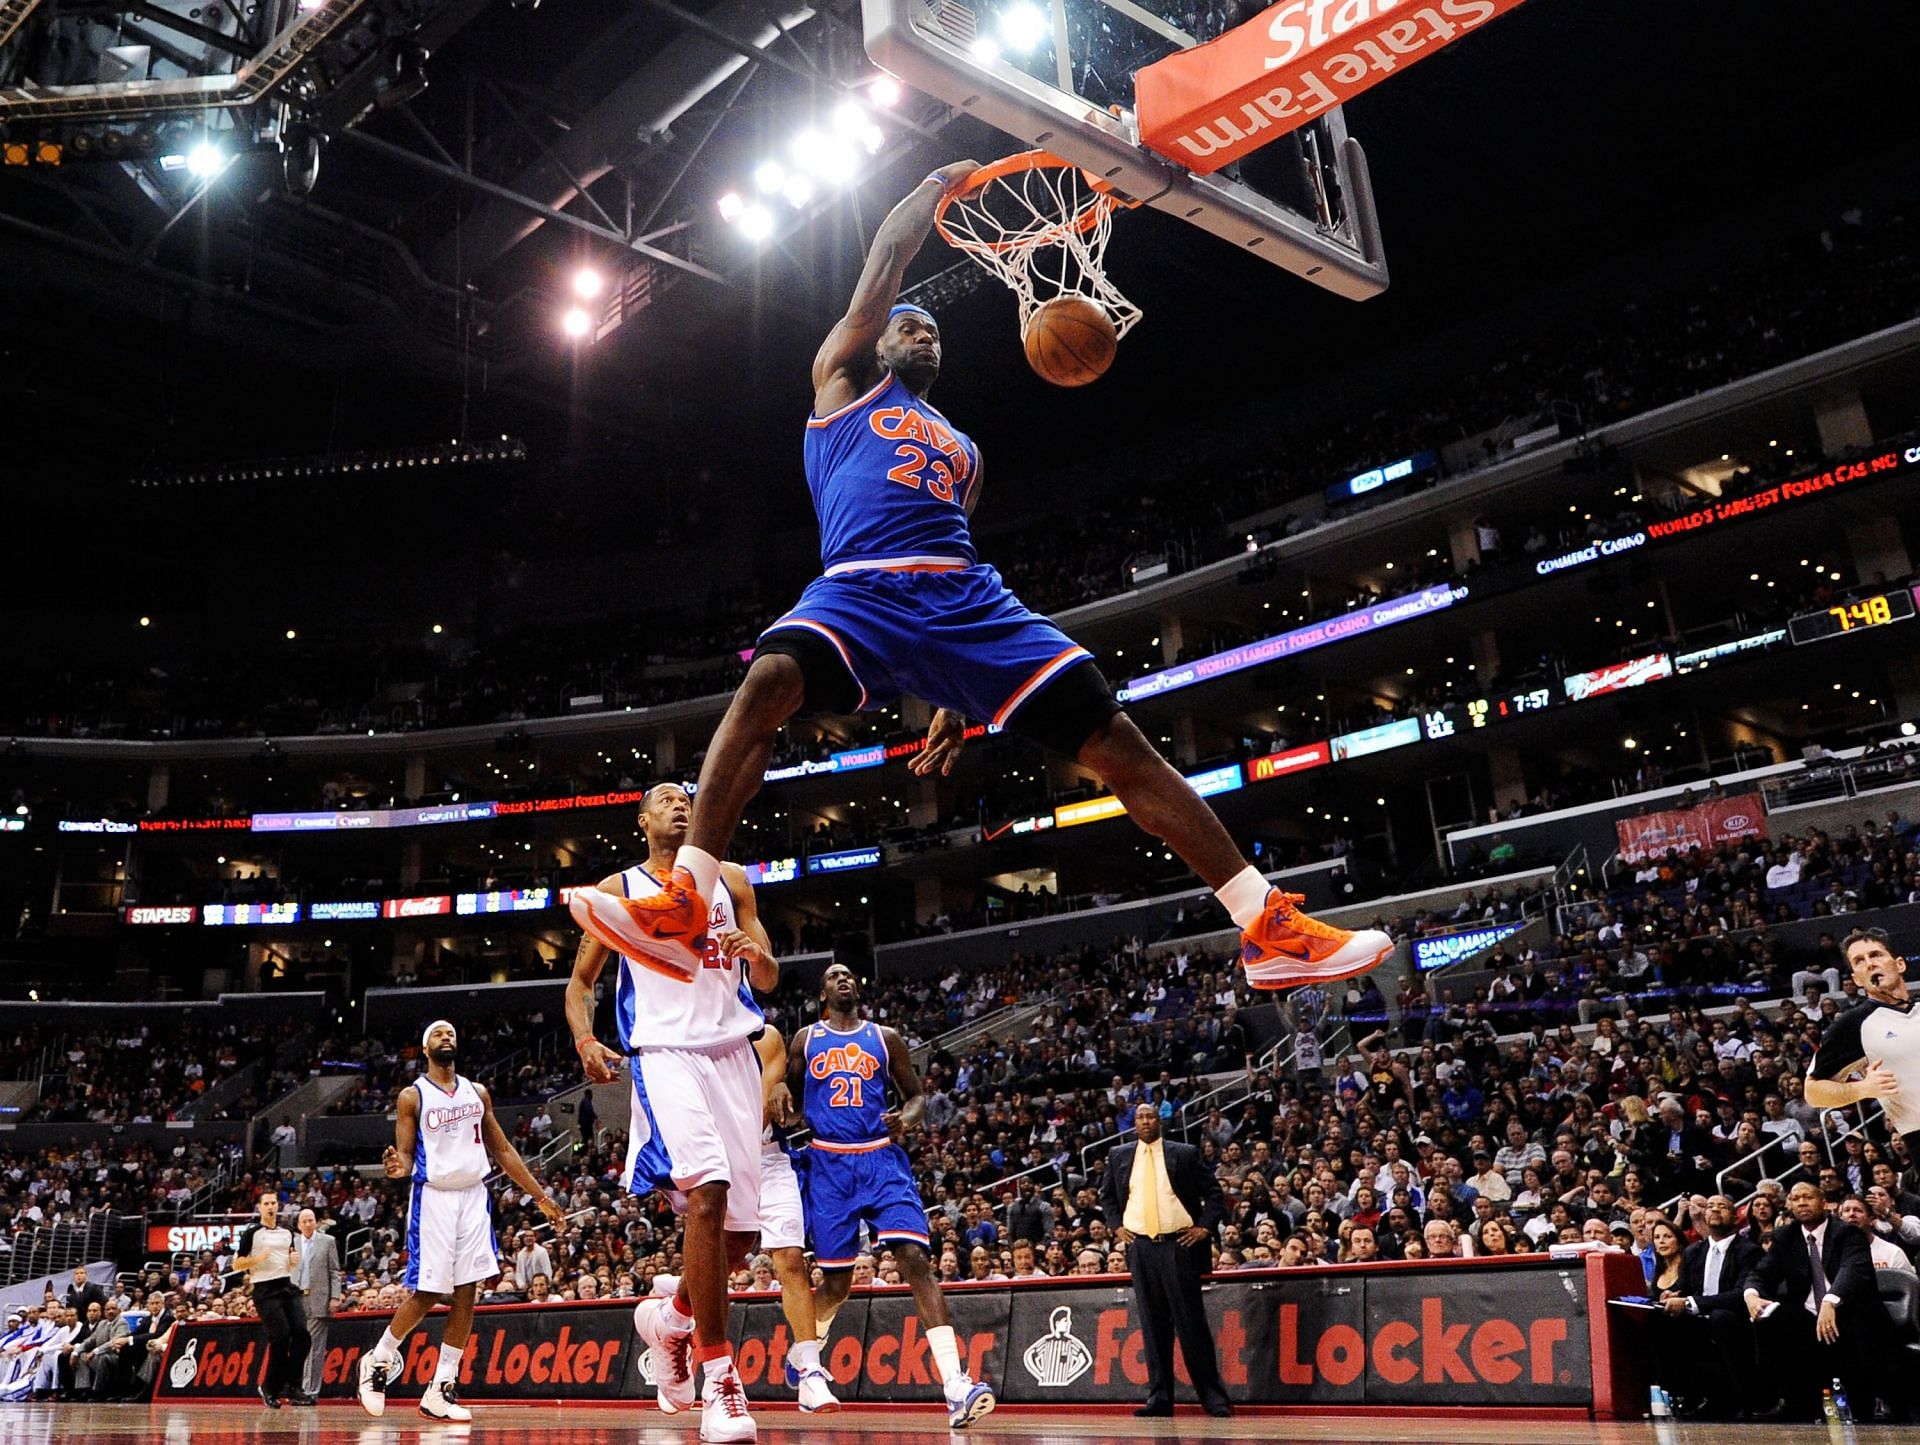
{"type": "Point", "coordinates": [332, 1424]}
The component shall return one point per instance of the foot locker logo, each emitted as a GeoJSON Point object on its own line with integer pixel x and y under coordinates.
{"type": "Point", "coordinates": [1058, 1358]}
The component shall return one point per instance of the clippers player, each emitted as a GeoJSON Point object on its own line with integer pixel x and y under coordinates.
{"type": "Point", "coordinates": [905, 606]}
{"type": "Point", "coordinates": [783, 1231]}
{"type": "Point", "coordinates": [698, 1106]}
{"type": "Point", "coordinates": [443, 1135]}
{"type": "Point", "coordinates": [857, 1172]}
{"type": "Point", "coordinates": [1879, 1039]}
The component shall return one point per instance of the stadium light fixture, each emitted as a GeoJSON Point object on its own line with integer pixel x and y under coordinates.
{"type": "Point", "coordinates": [576, 323]}
{"type": "Point", "coordinates": [588, 283]}
{"type": "Point", "coordinates": [206, 160]}
{"type": "Point", "coordinates": [884, 92]}
{"type": "Point", "coordinates": [756, 223]}
{"type": "Point", "coordinates": [291, 634]}
{"type": "Point", "coordinates": [769, 177]}
{"type": "Point", "coordinates": [799, 190]}
{"type": "Point", "coordinates": [146, 622]}
{"type": "Point", "coordinates": [1023, 26]}
{"type": "Point", "coordinates": [849, 118]}
{"type": "Point", "coordinates": [731, 206]}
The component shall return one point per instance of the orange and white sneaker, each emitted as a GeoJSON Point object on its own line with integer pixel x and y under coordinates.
{"type": "Point", "coordinates": [1287, 948]}
{"type": "Point", "coordinates": [665, 930]}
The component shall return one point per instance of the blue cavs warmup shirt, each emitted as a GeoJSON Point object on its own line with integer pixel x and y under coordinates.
{"type": "Point", "coordinates": [846, 1091]}
{"type": "Point", "coordinates": [891, 479]}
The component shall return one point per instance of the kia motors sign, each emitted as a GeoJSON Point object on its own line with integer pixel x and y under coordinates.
{"type": "Point", "coordinates": [1676, 830]}
{"type": "Point", "coordinates": [1211, 105]}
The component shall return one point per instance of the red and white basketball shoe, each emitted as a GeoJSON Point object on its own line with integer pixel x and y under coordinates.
{"type": "Point", "coordinates": [1286, 948]}
{"type": "Point", "coordinates": [666, 930]}
{"type": "Point", "coordinates": [669, 1354]}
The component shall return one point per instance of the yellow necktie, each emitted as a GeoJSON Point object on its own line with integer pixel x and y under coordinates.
{"type": "Point", "coordinates": [1150, 1206]}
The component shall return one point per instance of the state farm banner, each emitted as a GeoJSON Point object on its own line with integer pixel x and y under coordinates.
{"type": "Point", "coordinates": [1706, 825]}
{"type": "Point", "coordinates": [1477, 1333]}
{"type": "Point", "coordinates": [1211, 105]}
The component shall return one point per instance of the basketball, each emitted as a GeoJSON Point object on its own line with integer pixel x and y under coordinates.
{"type": "Point", "coordinates": [1070, 341]}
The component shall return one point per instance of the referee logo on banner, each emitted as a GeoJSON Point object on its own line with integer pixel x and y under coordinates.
{"type": "Point", "coordinates": [1057, 1358]}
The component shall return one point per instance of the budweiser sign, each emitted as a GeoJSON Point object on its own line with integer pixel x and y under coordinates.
{"type": "Point", "coordinates": [1209, 106]}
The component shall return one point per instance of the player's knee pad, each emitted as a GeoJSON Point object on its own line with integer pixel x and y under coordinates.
{"type": "Point", "coordinates": [1068, 711]}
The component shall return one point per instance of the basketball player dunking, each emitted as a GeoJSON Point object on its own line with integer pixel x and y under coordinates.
{"type": "Point", "coordinates": [444, 1133]}
{"type": "Point", "coordinates": [699, 1108]}
{"type": "Point", "coordinates": [905, 606]}
{"type": "Point", "coordinates": [857, 1172]}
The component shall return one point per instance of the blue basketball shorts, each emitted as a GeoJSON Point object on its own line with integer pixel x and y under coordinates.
{"type": "Point", "coordinates": [873, 1187]}
{"type": "Point", "coordinates": [956, 638]}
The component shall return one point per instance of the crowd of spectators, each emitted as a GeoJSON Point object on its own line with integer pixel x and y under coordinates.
{"type": "Point", "coordinates": [1496, 1127]}
{"type": "Point", "coordinates": [1853, 276]}
{"type": "Point", "coordinates": [141, 1072]}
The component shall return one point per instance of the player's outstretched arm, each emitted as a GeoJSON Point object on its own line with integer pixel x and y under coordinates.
{"type": "Point", "coordinates": [797, 1071]}
{"type": "Point", "coordinates": [601, 1063]}
{"type": "Point", "coordinates": [845, 358]}
{"type": "Point", "coordinates": [509, 1160]}
{"type": "Point", "coordinates": [406, 1134]}
{"type": "Point", "coordinates": [906, 1078]}
{"type": "Point", "coordinates": [774, 1091]}
{"type": "Point", "coordinates": [750, 939]}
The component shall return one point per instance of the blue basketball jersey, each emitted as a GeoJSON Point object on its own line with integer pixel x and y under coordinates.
{"type": "Point", "coordinates": [845, 1099]}
{"type": "Point", "coordinates": [891, 479]}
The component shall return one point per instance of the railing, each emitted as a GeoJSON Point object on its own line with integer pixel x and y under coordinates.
{"type": "Point", "coordinates": [1825, 781]}
{"type": "Point", "coordinates": [49, 1249]}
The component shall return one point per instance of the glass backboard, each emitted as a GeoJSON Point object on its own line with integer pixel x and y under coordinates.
{"type": "Point", "coordinates": [1058, 75]}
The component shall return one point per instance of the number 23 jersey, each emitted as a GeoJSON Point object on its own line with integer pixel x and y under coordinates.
{"type": "Point", "coordinates": [891, 479]}
{"type": "Point", "coordinates": [654, 1009]}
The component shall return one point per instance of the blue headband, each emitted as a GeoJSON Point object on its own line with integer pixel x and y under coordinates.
{"type": "Point", "coordinates": [908, 306]}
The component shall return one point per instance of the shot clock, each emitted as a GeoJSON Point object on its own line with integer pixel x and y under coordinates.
{"type": "Point", "coordinates": [1855, 616]}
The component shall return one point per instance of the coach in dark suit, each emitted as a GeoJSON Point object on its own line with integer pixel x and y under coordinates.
{"type": "Point", "coordinates": [80, 1294]}
{"type": "Point", "coordinates": [1163, 1204]}
{"type": "Point", "coordinates": [1829, 1321]}
{"type": "Point", "coordinates": [1707, 1339]}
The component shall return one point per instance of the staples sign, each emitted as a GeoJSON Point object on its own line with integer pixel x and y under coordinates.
{"type": "Point", "coordinates": [191, 1238]}
{"type": "Point", "coordinates": [1211, 105]}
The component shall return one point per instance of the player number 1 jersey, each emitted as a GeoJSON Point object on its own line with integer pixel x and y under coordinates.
{"type": "Point", "coordinates": [449, 1150]}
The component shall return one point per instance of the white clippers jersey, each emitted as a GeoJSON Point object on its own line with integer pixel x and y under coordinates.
{"type": "Point", "coordinates": [654, 1009]}
{"type": "Point", "coordinates": [449, 1151]}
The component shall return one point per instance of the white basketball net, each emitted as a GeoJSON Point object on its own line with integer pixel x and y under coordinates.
{"type": "Point", "coordinates": [1042, 228]}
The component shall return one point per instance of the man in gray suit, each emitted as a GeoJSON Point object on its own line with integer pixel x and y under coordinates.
{"type": "Point", "coordinates": [318, 1276]}
{"type": "Point", "coordinates": [98, 1354]}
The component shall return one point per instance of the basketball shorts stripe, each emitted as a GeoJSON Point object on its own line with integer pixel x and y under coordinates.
{"type": "Point", "coordinates": [449, 1238]}
{"type": "Point", "coordinates": [959, 639]}
{"type": "Point", "coordinates": [697, 1119]}
{"type": "Point", "coordinates": [845, 1191]}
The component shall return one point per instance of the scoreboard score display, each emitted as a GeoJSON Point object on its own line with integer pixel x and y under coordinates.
{"type": "Point", "coordinates": [1848, 617]}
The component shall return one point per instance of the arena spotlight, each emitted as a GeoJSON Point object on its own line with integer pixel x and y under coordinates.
{"type": "Point", "coordinates": [576, 323]}
{"type": "Point", "coordinates": [849, 119]}
{"type": "Point", "coordinates": [983, 50]}
{"type": "Point", "coordinates": [884, 92]}
{"type": "Point", "coordinates": [799, 190]}
{"type": "Point", "coordinates": [292, 635]}
{"type": "Point", "coordinates": [731, 206]}
{"type": "Point", "coordinates": [769, 177]}
{"type": "Point", "coordinates": [146, 622]}
{"type": "Point", "coordinates": [588, 283]}
{"type": "Point", "coordinates": [1023, 26]}
{"type": "Point", "coordinates": [756, 223]}
{"type": "Point", "coordinates": [206, 160]}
